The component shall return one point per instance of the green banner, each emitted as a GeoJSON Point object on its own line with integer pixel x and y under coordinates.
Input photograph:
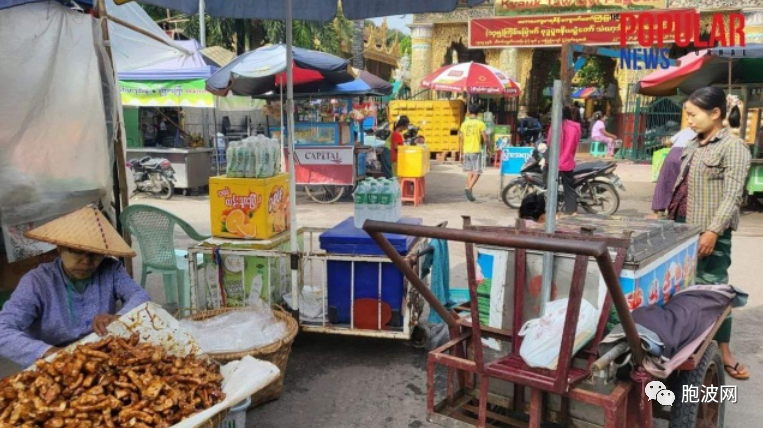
{"type": "Point", "coordinates": [169, 93]}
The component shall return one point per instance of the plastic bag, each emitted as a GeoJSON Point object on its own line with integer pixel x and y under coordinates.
{"type": "Point", "coordinates": [543, 336]}
{"type": "Point", "coordinates": [237, 331]}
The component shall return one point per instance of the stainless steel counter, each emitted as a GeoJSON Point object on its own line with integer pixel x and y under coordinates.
{"type": "Point", "coordinates": [192, 166]}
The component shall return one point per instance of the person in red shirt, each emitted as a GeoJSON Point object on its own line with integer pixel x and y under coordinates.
{"type": "Point", "coordinates": [395, 140]}
{"type": "Point", "coordinates": [570, 139]}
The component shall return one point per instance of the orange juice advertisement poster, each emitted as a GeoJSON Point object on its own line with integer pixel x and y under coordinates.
{"type": "Point", "coordinates": [249, 208]}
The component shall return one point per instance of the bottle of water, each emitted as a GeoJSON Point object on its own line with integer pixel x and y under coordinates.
{"type": "Point", "coordinates": [385, 200]}
{"type": "Point", "coordinates": [361, 204]}
{"type": "Point", "coordinates": [372, 211]}
{"type": "Point", "coordinates": [398, 199]}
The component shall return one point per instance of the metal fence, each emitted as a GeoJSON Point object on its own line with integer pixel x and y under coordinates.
{"type": "Point", "coordinates": [649, 122]}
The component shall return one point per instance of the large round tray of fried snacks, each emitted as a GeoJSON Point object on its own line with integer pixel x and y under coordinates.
{"type": "Point", "coordinates": [114, 382]}
{"type": "Point", "coordinates": [147, 373]}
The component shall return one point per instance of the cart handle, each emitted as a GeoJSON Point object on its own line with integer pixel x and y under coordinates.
{"type": "Point", "coordinates": [597, 250]}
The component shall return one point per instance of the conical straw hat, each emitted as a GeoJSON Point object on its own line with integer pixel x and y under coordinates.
{"type": "Point", "coordinates": [85, 230]}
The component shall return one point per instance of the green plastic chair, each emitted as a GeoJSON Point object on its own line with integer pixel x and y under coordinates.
{"type": "Point", "coordinates": [154, 229]}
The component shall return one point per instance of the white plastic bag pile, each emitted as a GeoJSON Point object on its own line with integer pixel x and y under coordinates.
{"type": "Point", "coordinates": [237, 331]}
{"type": "Point", "coordinates": [542, 341]}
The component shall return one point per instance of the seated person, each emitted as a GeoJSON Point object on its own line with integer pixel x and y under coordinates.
{"type": "Point", "coordinates": [59, 303]}
{"type": "Point", "coordinates": [533, 208]}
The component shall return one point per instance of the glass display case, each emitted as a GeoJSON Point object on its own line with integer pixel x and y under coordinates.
{"type": "Point", "coordinates": [318, 133]}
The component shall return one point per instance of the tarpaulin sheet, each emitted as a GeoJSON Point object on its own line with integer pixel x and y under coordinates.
{"type": "Point", "coordinates": [55, 151]}
{"type": "Point", "coordinates": [178, 67]}
{"type": "Point", "coordinates": [132, 50]}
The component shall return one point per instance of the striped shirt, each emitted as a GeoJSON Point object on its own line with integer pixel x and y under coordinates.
{"type": "Point", "coordinates": [716, 179]}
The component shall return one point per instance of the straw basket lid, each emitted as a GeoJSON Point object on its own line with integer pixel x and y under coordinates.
{"type": "Point", "coordinates": [85, 229]}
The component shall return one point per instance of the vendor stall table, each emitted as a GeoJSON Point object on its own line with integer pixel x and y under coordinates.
{"type": "Point", "coordinates": [361, 292]}
{"type": "Point", "coordinates": [231, 269]}
{"type": "Point", "coordinates": [192, 166]}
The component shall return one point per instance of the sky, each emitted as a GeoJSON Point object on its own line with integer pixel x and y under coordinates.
{"type": "Point", "coordinates": [397, 22]}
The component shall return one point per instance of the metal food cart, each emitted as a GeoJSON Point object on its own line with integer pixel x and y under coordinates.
{"type": "Point", "coordinates": [227, 272]}
{"type": "Point", "coordinates": [327, 160]}
{"type": "Point", "coordinates": [485, 388]}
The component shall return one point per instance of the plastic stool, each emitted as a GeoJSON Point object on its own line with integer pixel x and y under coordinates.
{"type": "Point", "coordinates": [497, 159]}
{"type": "Point", "coordinates": [598, 149]}
{"type": "Point", "coordinates": [413, 190]}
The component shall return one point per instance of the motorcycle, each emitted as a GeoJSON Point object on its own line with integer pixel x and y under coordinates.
{"type": "Point", "coordinates": [595, 183]}
{"type": "Point", "coordinates": [155, 176]}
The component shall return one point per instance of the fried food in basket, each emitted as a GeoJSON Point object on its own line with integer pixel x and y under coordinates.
{"type": "Point", "coordinates": [111, 383]}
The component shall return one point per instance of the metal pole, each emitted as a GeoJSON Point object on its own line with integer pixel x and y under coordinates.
{"type": "Point", "coordinates": [552, 187]}
{"type": "Point", "coordinates": [121, 200]}
{"type": "Point", "coordinates": [202, 25]}
{"type": "Point", "coordinates": [293, 245]}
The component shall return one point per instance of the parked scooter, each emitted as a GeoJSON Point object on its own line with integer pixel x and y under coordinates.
{"type": "Point", "coordinates": [152, 175]}
{"type": "Point", "coordinates": [595, 183]}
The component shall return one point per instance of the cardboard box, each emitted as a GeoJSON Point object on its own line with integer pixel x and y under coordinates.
{"type": "Point", "coordinates": [11, 273]}
{"type": "Point", "coordinates": [249, 208]}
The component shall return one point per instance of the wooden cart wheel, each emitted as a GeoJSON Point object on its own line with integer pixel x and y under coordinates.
{"type": "Point", "coordinates": [708, 372]}
{"type": "Point", "coordinates": [325, 194]}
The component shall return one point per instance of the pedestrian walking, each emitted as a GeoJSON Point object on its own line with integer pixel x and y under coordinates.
{"type": "Point", "coordinates": [708, 194]}
{"type": "Point", "coordinates": [472, 136]}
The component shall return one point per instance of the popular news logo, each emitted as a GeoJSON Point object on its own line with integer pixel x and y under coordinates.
{"type": "Point", "coordinates": [683, 28]}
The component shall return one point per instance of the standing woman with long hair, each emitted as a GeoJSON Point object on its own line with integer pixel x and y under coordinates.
{"type": "Point", "coordinates": [708, 194]}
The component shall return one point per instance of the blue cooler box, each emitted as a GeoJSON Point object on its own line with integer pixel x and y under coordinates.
{"type": "Point", "coordinates": [346, 239]}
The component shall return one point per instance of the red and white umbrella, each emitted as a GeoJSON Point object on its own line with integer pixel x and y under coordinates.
{"type": "Point", "coordinates": [472, 78]}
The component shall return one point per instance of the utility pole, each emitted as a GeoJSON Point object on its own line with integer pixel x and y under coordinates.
{"type": "Point", "coordinates": [202, 25]}
{"type": "Point", "coordinates": [567, 73]}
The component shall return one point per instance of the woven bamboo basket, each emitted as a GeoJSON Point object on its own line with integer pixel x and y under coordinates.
{"type": "Point", "coordinates": [276, 353]}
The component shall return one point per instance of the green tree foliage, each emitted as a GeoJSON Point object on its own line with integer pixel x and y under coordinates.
{"type": "Point", "coordinates": [592, 73]}
{"type": "Point", "coordinates": [251, 34]}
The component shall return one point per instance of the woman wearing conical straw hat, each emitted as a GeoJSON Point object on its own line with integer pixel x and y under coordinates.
{"type": "Point", "coordinates": [58, 303]}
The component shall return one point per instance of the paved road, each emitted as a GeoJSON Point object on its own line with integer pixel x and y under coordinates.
{"type": "Point", "coordinates": [337, 381]}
